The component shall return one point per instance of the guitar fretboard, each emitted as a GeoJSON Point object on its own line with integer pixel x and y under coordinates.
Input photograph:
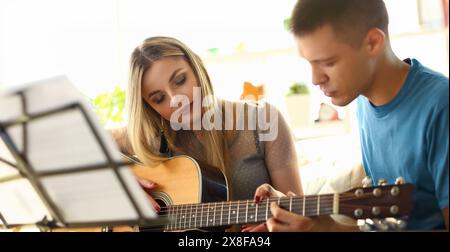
{"type": "Point", "coordinates": [215, 214]}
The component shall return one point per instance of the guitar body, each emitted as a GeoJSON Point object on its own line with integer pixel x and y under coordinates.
{"type": "Point", "coordinates": [181, 180]}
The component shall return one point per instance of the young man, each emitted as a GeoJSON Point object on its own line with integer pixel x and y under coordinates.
{"type": "Point", "coordinates": [402, 106]}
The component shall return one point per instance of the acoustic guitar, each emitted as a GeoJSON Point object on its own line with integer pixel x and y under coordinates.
{"type": "Point", "coordinates": [195, 197]}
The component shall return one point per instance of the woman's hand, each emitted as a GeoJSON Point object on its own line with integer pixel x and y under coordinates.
{"type": "Point", "coordinates": [263, 192]}
{"type": "Point", "coordinates": [281, 220]}
{"type": "Point", "coordinates": [148, 186]}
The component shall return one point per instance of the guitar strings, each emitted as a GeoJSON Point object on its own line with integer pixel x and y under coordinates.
{"type": "Point", "coordinates": [208, 222]}
{"type": "Point", "coordinates": [240, 211]}
{"type": "Point", "coordinates": [205, 220]}
{"type": "Point", "coordinates": [240, 215]}
{"type": "Point", "coordinates": [284, 200]}
{"type": "Point", "coordinates": [213, 208]}
{"type": "Point", "coordinates": [261, 209]}
{"type": "Point", "coordinates": [294, 198]}
{"type": "Point", "coordinates": [244, 207]}
{"type": "Point", "coordinates": [250, 202]}
{"type": "Point", "coordinates": [202, 221]}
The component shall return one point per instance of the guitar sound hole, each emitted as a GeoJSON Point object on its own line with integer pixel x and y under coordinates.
{"type": "Point", "coordinates": [163, 201]}
{"type": "Point", "coordinates": [163, 206]}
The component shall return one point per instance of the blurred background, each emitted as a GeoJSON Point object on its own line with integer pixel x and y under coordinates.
{"type": "Point", "coordinates": [240, 42]}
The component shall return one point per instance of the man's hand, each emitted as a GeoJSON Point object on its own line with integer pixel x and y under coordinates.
{"type": "Point", "coordinates": [285, 221]}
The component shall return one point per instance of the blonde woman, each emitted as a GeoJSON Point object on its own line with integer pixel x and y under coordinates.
{"type": "Point", "coordinates": [163, 68]}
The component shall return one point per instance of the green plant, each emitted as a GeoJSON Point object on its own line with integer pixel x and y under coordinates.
{"type": "Point", "coordinates": [287, 23]}
{"type": "Point", "coordinates": [298, 88]}
{"type": "Point", "coordinates": [109, 106]}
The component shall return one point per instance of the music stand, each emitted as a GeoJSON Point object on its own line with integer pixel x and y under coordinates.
{"type": "Point", "coordinates": [47, 183]}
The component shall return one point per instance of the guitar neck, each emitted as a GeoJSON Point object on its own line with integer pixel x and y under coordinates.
{"type": "Point", "coordinates": [215, 214]}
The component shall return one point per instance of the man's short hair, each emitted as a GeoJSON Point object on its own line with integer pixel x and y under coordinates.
{"type": "Point", "coordinates": [350, 19]}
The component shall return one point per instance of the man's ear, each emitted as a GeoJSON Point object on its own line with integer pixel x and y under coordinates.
{"type": "Point", "coordinates": [375, 42]}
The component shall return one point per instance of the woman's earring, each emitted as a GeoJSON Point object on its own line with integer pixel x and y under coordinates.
{"type": "Point", "coordinates": [163, 148]}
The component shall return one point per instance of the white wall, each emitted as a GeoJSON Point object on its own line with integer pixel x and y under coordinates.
{"type": "Point", "coordinates": [91, 40]}
{"type": "Point", "coordinates": [48, 37]}
{"type": "Point", "coordinates": [430, 48]}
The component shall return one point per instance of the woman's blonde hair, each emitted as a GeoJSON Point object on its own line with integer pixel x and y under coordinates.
{"type": "Point", "coordinates": [144, 123]}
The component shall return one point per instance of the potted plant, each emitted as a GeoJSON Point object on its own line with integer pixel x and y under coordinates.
{"type": "Point", "coordinates": [298, 103]}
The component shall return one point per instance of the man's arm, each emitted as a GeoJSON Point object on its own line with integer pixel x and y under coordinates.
{"type": "Point", "coordinates": [284, 221]}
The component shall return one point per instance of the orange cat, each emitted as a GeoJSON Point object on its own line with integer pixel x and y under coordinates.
{"type": "Point", "coordinates": [252, 93]}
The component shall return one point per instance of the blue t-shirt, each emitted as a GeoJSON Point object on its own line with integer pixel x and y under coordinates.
{"type": "Point", "coordinates": [408, 137]}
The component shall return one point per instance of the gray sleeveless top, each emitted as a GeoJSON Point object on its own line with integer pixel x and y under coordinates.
{"type": "Point", "coordinates": [251, 160]}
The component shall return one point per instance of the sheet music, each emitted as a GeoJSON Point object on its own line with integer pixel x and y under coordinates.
{"type": "Point", "coordinates": [20, 204]}
{"type": "Point", "coordinates": [10, 107]}
{"type": "Point", "coordinates": [95, 196]}
{"type": "Point", "coordinates": [60, 142]}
